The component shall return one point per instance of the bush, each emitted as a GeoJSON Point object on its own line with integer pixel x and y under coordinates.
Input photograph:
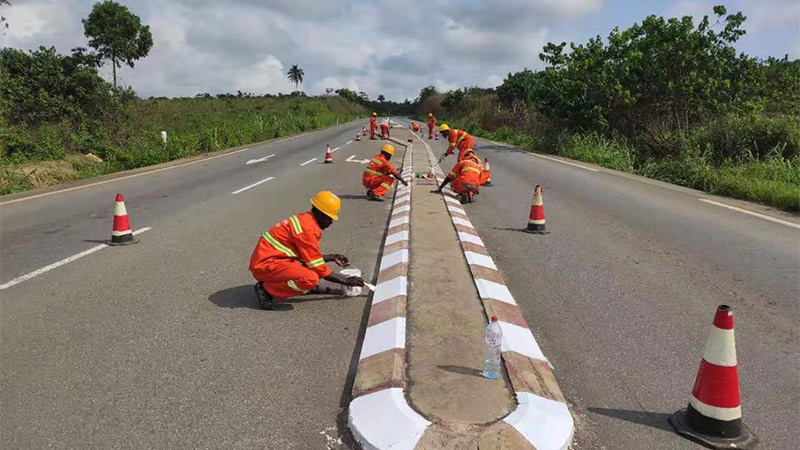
{"type": "Point", "coordinates": [754, 134]}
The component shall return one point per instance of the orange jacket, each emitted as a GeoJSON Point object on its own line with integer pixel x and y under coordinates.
{"type": "Point", "coordinates": [469, 170]}
{"type": "Point", "coordinates": [458, 139]}
{"type": "Point", "coordinates": [431, 121]}
{"type": "Point", "coordinates": [384, 125]}
{"type": "Point", "coordinates": [379, 166]}
{"type": "Point", "coordinates": [293, 239]}
{"type": "Point", "coordinates": [372, 122]}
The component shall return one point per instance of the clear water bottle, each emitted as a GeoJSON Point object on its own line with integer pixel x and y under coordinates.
{"type": "Point", "coordinates": [491, 349]}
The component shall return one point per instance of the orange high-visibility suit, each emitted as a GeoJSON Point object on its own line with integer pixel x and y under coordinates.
{"type": "Point", "coordinates": [467, 175]}
{"type": "Point", "coordinates": [379, 175]}
{"type": "Point", "coordinates": [287, 260]}
{"type": "Point", "coordinates": [384, 130]}
{"type": "Point", "coordinates": [373, 127]}
{"type": "Point", "coordinates": [415, 126]}
{"type": "Point", "coordinates": [459, 139]}
{"type": "Point", "coordinates": [431, 124]}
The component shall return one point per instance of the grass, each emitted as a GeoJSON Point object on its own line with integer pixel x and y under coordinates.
{"type": "Point", "coordinates": [771, 179]}
{"type": "Point", "coordinates": [193, 126]}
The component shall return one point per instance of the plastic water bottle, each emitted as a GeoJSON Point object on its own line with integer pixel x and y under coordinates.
{"type": "Point", "coordinates": [491, 349]}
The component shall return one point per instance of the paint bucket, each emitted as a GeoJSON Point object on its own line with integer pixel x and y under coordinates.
{"type": "Point", "coordinates": [351, 291]}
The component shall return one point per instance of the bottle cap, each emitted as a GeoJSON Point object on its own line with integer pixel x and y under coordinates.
{"type": "Point", "coordinates": [494, 319]}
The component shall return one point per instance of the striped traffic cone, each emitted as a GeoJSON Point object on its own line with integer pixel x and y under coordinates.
{"type": "Point", "coordinates": [714, 415]}
{"type": "Point", "coordinates": [121, 234]}
{"type": "Point", "coordinates": [358, 135]}
{"type": "Point", "coordinates": [328, 154]}
{"type": "Point", "coordinates": [536, 217]}
{"type": "Point", "coordinates": [488, 170]}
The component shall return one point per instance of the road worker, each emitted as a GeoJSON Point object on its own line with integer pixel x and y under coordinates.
{"type": "Point", "coordinates": [458, 139]}
{"type": "Point", "coordinates": [466, 177]}
{"type": "Point", "coordinates": [384, 130]}
{"type": "Point", "coordinates": [287, 261]}
{"type": "Point", "coordinates": [415, 126]}
{"type": "Point", "coordinates": [431, 124]}
{"type": "Point", "coordinates": [373, 125]}
{"type": "Point", "coordinates": [380, 174]}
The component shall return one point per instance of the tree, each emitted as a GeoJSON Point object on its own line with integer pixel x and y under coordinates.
{"type": "Point", "coordinates": [426, 92]}
{"type": "Point", "coordinates": [117, 34]}
{"type": "Point", "coordinates": [3, 20]}
{"type": "Point", "coordinates": [295, 75]}
{"type": "Point", "coordinates": [381, 98]}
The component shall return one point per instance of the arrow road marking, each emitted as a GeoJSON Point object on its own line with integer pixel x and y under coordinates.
{"type": "Point", "coordinates": [350, 159]}
{"type": "Point", "coordinates": [253, 161]}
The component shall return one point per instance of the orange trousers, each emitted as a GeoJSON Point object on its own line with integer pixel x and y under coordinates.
{"type": "Point", "coordinates": [460, 186]}
{"type": "Point", "coordinates": [384, 132]}
{"type": "Point", "coordinates": [430, 131]}
{"type": "Point", "coordinates": [378, 185]}
{"type": "Point", "coordinates": [286, 279]}
{"type": "Point", "coordinates": [372, 129]}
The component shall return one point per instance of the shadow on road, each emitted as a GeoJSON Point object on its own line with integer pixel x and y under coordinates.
{"type": "Point", "coordinates": [353, 196]}
{"type": "Point", "coordinates": [244, 297]}
{"type": "Point", "coordinates": [462, 370]}
{"type": "Point", "coordinates": [651, 419]}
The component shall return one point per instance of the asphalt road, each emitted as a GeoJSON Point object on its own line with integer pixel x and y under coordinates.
{"type": "Point", "coordinates": [621, 294]}
{"type": "Point", "coordinates": [161, 344]}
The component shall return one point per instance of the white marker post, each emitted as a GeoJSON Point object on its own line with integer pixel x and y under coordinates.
{"type": "Point", "coordinates": [164, 137]}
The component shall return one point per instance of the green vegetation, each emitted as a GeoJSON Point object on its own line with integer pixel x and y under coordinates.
{"type": "Point", "coordinates": [667, 99]}
{"type": "Point", "coordinates": [295, 75]}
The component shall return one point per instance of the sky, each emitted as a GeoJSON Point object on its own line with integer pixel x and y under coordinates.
{"type": "Point", "coordinates": [388, 47]}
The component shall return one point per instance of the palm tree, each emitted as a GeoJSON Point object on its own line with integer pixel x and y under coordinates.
{"type": "Point", "coordinates": [381, 98]}
{"type": "Point", "coordinates": [295, 75]}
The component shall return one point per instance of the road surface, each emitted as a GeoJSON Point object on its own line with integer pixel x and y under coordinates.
{"type": "Point", "coordinates": [162, 345]}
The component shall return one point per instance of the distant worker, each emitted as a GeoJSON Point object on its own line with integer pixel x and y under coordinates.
{"type": "Point", "coordinates": [287, 261]}
{"type": "Point", "coordinates": [415, 126]}
{"type": "Point", "coordinates": [384, 130]}
{"type": "Point", "coordinates": [466, 177]}
{"type": "Point", "coordinates": [458, 139]}
{"type": "Point", "coordinates": [373, 125]}
{"type": "Point", "coordinates": [431, 124]}
{"type": "Point", "coordinates": [380, 174]}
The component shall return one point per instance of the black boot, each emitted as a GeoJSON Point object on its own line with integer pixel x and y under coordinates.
{"type": "Point", "coordinates": [464, 198]}
{"type": "Point", "coordinates": [265, 301]}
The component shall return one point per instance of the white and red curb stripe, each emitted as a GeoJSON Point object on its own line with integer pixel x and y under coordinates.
{"type": "Point", "coordinates": [379, 416]}
{"type": "Point", "coordinates": [541, 416]}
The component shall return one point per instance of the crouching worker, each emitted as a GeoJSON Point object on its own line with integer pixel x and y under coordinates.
{"type": "Point", "coordinates": [466, 177]}
{"type": "Point", "coordinates": [380, 174]}
{"type": "Point", "coordinates": [287, 261]}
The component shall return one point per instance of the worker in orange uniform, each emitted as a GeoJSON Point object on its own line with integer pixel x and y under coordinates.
{"type": "Point", "coordinates": [287, 261]}
{"type": "Point", "coordinates": [380, 174]}
{"type": "Point", "coordinates": [415, 126]}
{"type": "Point", "coordinates": [458, 139]}
{"type": "Point", "coordinates": [373, 125]}
{"type": "Point", "coordinates": [431, 124]}
{"type": "Point", "coordinates": [384, 130]}
{"type": "Point", "coordinates": [466, 177]}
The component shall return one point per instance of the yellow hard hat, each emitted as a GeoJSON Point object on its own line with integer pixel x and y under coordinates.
{"type": "Point", "coordinates": [388, 148]}
{"type": "Point", "coordinates": [443, 127]}
{"type": "Point", "coordinates": [430, 114]}
{"type": "Point", "coordinates": [374, 114]}
{"type": "Point", "coordinates": [328, 203]}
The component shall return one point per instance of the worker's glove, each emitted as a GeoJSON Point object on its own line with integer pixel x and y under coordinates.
{"type": "Point", "coordinates": [354, 281]}
{"type": "Point", "coordinates": [341, 260]}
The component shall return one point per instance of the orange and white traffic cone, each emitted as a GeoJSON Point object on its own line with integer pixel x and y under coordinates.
{"type": "Point", "coordinates": [436, 137]}
{"type": "Point", "coordinates": [536, 217]}
{"type": "Point", "coordinates": [358, 135]}
{"type": "Point", "coordinates": [363, 129]}
{"type": "Point", "coordinates": [121, 234]}
{"type": "Point", "coordinates": [328, 154]}
{"type": "Point", "coordinates": [714, 415]}
{"type": "Point", "coordinates": [488, 170]}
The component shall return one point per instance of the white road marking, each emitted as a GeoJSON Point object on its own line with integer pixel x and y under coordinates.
{"type": "Point", "coordinates": [252, 185]}
{"type": "Point", "coordinates": [350, 159]}
{"type": "Point", "coordinates": [308, 162]}
{"type": "Point", "coordinates": [565, 162]}
{"type": "Point", "coordinates": [50, 267]}
{"type": "Point", "coordinates": [258, 160]}
{"type": "Point", "coordinates": [348, 142]}
{"type": "Point", "coordinates": [752, 213]}
{"type": "Point", "coordinates": [60, 191]}
{"type": "Point", "coordinates": [334, 150]}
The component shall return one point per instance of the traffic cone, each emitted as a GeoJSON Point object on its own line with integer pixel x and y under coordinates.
{"type": "Point", "coordinates": [714, 415]}
{"type": "Point", "coordinates": [488, 170]}
{"type": "Point", "coordinates": [536, 217]}
{"type": "Point", "coordinates": [328, 154]}
{"type": "Point", "coordinates": [121, 234]}
{"type": "Point", "coordinates": [363, 129]}
{"type": "Point", "coordinates": [436, 138]}
{"type": "Point", "coordinates": [358, 135]}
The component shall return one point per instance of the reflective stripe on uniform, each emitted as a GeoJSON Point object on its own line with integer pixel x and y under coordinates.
{"type": "Point", "coordinates": [386, 185]}
{"type": "Point", "coordinates": [452, 174]}
{"type": "Point", "coordinates": [374, 172]}
{"type": "Point", "coordinates": [296, 224]}
{"type": "Point", "coordinates": [469, 168]}
{"type": "Point", "coordinates": [278, 246]}
{"type": "Point", "coordinates": [292, 285]}
{"type": "Point", "coordinates": [316, 263]}
{"type": "Point", "coordinates": [377, 161]}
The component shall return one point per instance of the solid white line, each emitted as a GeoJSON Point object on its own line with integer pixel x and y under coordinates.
{"type": "Point", "coordinates": [752, 213]}
{"type": "Point", "coordinates": [348, 142]}
{"type": "Point", "coordinates": [252, 185]}
{"type": "Point", "coordinates": [308, 162]}
{"type": "Point", "coordinates": [565, 162]}
{"type": "Point", "coordinates": [50, 267]}
{"type": "Point", "coordinates": [334, 150]}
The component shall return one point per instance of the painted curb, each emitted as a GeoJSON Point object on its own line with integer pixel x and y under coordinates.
{"type": "Point", "coordinates": [379, 415]}
{"type": "Point", "coordinates": [541, 416]}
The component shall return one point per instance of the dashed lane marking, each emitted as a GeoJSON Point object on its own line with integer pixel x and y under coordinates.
{"type": "Point", "coordinates": [50, 267]}
{"type": "Point", "coordinates": [252, 185]}
{"type": "Point", "coordinates": [308, 162]}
